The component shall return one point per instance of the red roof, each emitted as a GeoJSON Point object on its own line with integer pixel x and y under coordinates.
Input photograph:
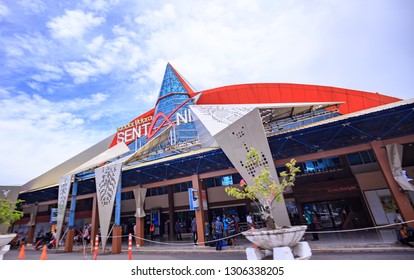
{"type": "Point", "coordinates": [355, 100]}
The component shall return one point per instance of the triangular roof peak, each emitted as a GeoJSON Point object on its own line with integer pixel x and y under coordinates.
{"type": "Point", "coordinates": [173, 82]}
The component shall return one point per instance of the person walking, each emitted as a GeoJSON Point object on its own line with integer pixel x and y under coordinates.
{"type": "Point", "coordinates": [207, 231]}
{"type": "Point", "coordinates": [86, 235]}
{"type": "Point", "coordinates": [135, 235]}
{"type": "Point", "coordinates": [178, 230]}
{"type": "Point", "coordinates": [232, 231]}
{"type": "Point", "coordinates": [311, 220]}
{"type": "Point", "coordinates": [194, 230]}
{"type": "Point", "coordinates": [152, 230]}
{"type": "Point", "coordinates": [226, 227]}
{"type": "Point", "coordinates": [213, 232]}
{"type": "Point", "coordinates": [236, 222]}
{"type": "Point", "coordinates": [218, 233]}
{"type": "Point", "coordinates": [249, 219]}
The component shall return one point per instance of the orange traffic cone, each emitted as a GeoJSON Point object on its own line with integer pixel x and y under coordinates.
{"type": "Point", "coordinates": [130, 247]}
{"type": "Point", "coordinates": [22, 255]}
{"type": "Point", "coordinates": [44, 253]}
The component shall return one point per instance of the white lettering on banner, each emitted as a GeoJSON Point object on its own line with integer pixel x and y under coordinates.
{"type": "Point", "coordinates": [128, 135]}
{"type": "Point", "coordinates": [63, 194]}
{"type": "Point", "coordinates": [138, 129]}
{"type": "Point", "coordinates": [184, 119]}
{"type": "Point", "coordinates": [136, 123]}
{"type": "Point", "coordinates": [107, 180]}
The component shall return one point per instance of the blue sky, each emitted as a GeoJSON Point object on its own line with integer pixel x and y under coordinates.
{"type": "Point", "coordinates": [72, 71]}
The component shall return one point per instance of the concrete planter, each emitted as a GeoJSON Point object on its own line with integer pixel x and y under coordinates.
{"type": "Point", "coordinates": [269, 239]}
{"type": "Point", "coordinates": [4, 240]}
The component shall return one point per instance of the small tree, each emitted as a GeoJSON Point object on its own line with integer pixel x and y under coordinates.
{"type": "Point", "coordinates": [265, 189]}
{"type": "Point", "coordinates": [9, 212]}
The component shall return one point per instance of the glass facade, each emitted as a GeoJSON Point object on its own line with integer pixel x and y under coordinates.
{"type": "Point", "coordinates": [316, 166]}
{"type": "Point", "coordinates": [222, 181]}
{"type": "Point", "coordinates": [172, 108]}
{"type": "Point", "coordinates": [363, 157]}
{"type": "Point", "coordinates": [170, 83]}
{"type": "Point", "coordinates": [305, 119]}
{"type": "Point", "coordinates": [182, 187]}
{"type": "Point", "coordinates": [173, 95]}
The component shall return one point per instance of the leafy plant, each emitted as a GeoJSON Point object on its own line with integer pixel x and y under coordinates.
{"type": "Point", "coordinates": [265, 189]}
{"type": "Point", "coordinates": [9, 212]}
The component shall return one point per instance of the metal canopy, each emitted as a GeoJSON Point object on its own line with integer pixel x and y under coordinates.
{"type": "Point", "coordinates": [293, 111]}
{"type": "Point", "coordinates": [116, 151]}
{"type": "Point", "coordinates": [217, 117]}
{"type": "Point", "coordinates": [162, 137]}
{"type": "Point", "coordinates": [183, 166]}
{"type": "Point", "coordinates": [393, 121]}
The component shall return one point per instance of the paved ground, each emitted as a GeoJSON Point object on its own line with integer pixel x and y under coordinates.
{"type": "Point", "coordinates": [207, 254]}
{"type": "Point", "coordinates": [333, 244]}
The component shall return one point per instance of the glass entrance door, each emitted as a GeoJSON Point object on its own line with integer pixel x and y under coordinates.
{"type": "Point", "coordinates": [341, 214]}
{"type": "Point", "coordinates": [332, 214]}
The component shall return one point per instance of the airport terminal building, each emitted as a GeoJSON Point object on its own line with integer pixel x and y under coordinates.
{"type": "Point", "coordinates": [355, 150]}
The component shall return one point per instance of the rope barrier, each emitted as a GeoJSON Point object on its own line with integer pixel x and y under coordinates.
{"type": "Point", "coordinates": [360, 229]}
{"type": "Point", "coordinates": [175, 243]}
{"type": "Point", "coordinates": [235, 235]}
{"type": "Point", "coordinates": [332, 231]}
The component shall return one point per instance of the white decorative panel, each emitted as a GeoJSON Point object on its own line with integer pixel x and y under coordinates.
{"type": "Point", "coordinates": [107, 179]}
{"type": "Point", "coordinates": [63, 194]}
{"type": "Point", "coordinates": [236, 140]}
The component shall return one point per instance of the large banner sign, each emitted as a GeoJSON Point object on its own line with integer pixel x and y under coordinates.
{"type": "Point", "coordinates": [139, 194]}
{"type": "Point", "coordinates": [107, 179]}
{"type": "Point", "coordinates": [395, 154]}
{"type": "Point", "coordinates": [64, 188]}
{"type": "Point", "coordinates": [145, 126]}
{"type": "Point", "coordinates": [236, 128]}
{"type": "Point", "coordinates": [193, 199]}
{"type": "Point", "coordinates": [33, 214]}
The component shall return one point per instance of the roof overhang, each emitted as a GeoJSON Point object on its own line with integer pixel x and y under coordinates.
{"type": "Point", "coordinates": [114, 152]}
{"type": "Point", "coordinates": [217, 117]}
{"type": "Point", "coordinates": [160, 138]}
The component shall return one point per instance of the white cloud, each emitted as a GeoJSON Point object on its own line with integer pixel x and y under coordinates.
{"type": "Point", "coordinates": [108, 56]}
{"type": "Point", "coordinates": [80, 71]}
{"type": "Point", "coordinates": [31, 46]}
{"type": "Point", "coordinates": [232, 43]}
{"type": "Point", "coordinates": [42, 133]}
{"type": "Point", "coordinates": [30, 51]}
{"type": "Point", "coordinates": [47, 76]}
{"type": "Point", "coordinates": [32, 6]}
{"type": "Point", "coordinates": [158, 19]}
{"type": "Point", "coordinates": [96, 44]}
{"type": "Point", "coordinates": [100, 5]}
{"type": "Point", "coordinates": [4, 11]}
{"type": "Point", "coordinates": [48, 73]}
{"type": "Point", "coordinates": [121, 31]}
{"type": "Point", "coordinates": [220, 43]}
{"type": "Point", "coordinates": [78, 104]}
{"type": "Point", "coordinates": [34, 85]}
{"type": "Point", "coordinates": [73, 24]}
{"type": "Point", "coordinates": [4, 93]}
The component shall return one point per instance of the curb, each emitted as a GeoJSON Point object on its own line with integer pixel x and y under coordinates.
{"type": "Point", "coordinates": [243, 249]}
{"type": "Point", "coordinates": [363, 249]}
